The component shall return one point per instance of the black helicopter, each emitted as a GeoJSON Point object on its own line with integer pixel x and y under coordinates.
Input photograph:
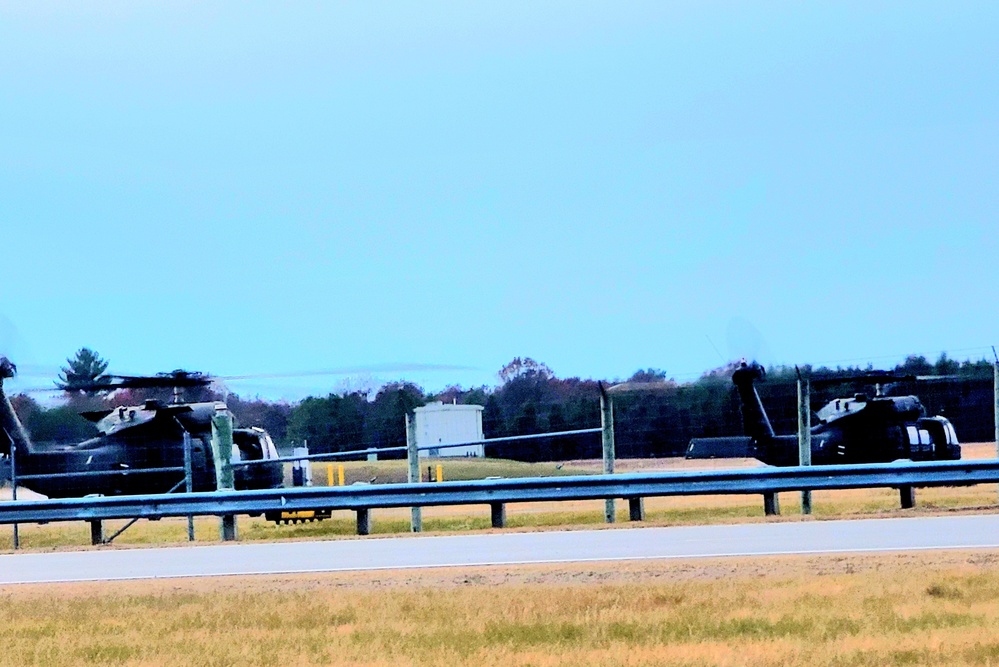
{"type": "Point", "coordinates": [131, 439]}
{"type": "Point", "coordinates": [859, 429]}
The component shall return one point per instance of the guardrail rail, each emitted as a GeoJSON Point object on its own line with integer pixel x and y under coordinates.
{"type": "Point", "coordinates": [497, 492]}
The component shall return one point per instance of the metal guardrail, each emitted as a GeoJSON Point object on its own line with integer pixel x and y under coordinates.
{"type": "Point", "coordinates": [362, 498]}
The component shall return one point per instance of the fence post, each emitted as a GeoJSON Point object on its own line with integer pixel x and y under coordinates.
{"type": "Point", "coordinates": [805, 435]}
{"type": "Point", "coordinates": [907, 495]}
{"type": "Point", "coordinates": [188, 482]}
{"type": "Point", "coordinates": [13, 487]}
{"type": "Point", "coordinates": [222, 453]}
{"type": "Point", "coordinates": [607, 438]}
{"type": "Point", "coordinates": [995, 392]}
{"type": "Point", "coordinates": [413, 476]}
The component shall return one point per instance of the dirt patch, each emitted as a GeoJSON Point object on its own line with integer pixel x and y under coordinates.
{"type": "Point", "coordinates": [568, 574]}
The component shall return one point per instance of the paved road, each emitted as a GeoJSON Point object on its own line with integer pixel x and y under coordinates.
{"type": "Point", "coordinates": [508, 548]}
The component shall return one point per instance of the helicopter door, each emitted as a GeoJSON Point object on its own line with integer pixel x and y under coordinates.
{"type": "Point", "coordinates": [945, 444]}
{"type": "Point", "coordinates": [920, 442]}
{"type": "Point", "coordinates": [266, 444]}
{"type": "Point", "coordinates": [246, 446]}
{"type": "Point", "coordinates": [202, 466]}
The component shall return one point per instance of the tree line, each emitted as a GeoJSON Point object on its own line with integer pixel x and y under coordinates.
{"type": "Point", "coordinates": [530, 399]}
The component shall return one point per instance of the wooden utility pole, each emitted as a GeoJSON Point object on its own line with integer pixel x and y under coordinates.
{"type": "Point", "coordinates": [804, 435]}
{"type": "Point", "coordinates": [222, 453]}
{"type": "Point", "coordinates": [607, 424]}
{"type": "Point", "coordinates": [188, 481]}
{"type": "Point", "coordinates": [413, 475]}
{"type": "Point", "coordinates": [995, 391]}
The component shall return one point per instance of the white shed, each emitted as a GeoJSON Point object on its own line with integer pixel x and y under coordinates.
{"type": "Point", "coordinates": [442, 423]}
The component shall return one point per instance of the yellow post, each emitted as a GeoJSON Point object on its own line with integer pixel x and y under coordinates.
{"type": "Point", "coordinates": [339, 474]}
{"type": "Point", "coordinates": [329, 474]}
{"type": "Point", "coordinates": [440, 473]}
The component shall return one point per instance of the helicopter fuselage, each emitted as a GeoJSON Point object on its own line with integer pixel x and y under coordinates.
{"type": "Point", "coordinates": [133, 446]}
{"type": "Point", "coordinates": [858, 429]}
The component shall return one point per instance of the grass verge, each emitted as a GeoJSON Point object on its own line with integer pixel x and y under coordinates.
{"type": "Point", "coordinates": [888, 609]}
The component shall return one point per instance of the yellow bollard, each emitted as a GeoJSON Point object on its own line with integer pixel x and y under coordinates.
{"type": "Point", "coordinates": [339, 474]}
{"type": "Point", "coordinates": [440, 473]}
{"type": "Point", "coordinates": [329, 474]}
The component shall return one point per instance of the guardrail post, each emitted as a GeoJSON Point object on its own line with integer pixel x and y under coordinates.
{"type": "Point", "coordinates": [805, 436]}
{"type": "Point", "coordinates": [96, 532]}
{"type": "Point", "coordinates": [607, 438]}
{"type": "Point", "coordinates": [222, 453]}
{"type": "Point", "coordinates": [363, 521]}
{"type": "Point", "coordinates": [908, 496]}
{"type": "Point", "coordinates": [497, 514]}
{"type": "Point", "coordinates": [771, 504]}
{"type": "Point", "coordinates": [636, 509]}
{"type": "Point", "coordinates": [227, 528]}
{"type": "Point", "coordinates": [413, 475]}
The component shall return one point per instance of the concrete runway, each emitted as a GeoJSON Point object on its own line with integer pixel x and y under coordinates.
{"type": "Point", "coordinates": [373, 553]}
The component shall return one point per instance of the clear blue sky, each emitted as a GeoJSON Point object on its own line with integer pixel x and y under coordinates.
{"type": "Point", "coordinates": [249, 188]}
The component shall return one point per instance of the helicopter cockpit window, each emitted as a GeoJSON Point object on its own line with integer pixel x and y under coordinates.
{"type": "Point", "coordinates": [266, 444]}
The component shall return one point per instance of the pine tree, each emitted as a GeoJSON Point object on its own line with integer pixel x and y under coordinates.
{"type": "Point", "coordinates": [82, 372]}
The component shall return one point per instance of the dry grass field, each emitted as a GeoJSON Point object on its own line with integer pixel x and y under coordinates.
{"type": "Point", "coordinates": [887, 609]}
{"type": "Point", "coordinates": [536, 516]}
{"type": "Point", "coordinates": [930, 608]}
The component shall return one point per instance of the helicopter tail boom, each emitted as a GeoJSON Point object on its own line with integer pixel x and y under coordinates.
{"type": "Point", "coordinates": [12, 426]}
{"type": "Point", "coordinates": [754, 417]}
{"type": "Point", "coordinates": [734, 447]}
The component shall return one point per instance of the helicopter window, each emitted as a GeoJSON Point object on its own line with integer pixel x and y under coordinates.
{"type": "Point", "coordinates": [918, 436]}
{"type": "Point", "coordinates": [271, 450]}
{"type": "Point", "coordinates": [267, 448]}
{"type": "Point", "coordinates": [246, 446]}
